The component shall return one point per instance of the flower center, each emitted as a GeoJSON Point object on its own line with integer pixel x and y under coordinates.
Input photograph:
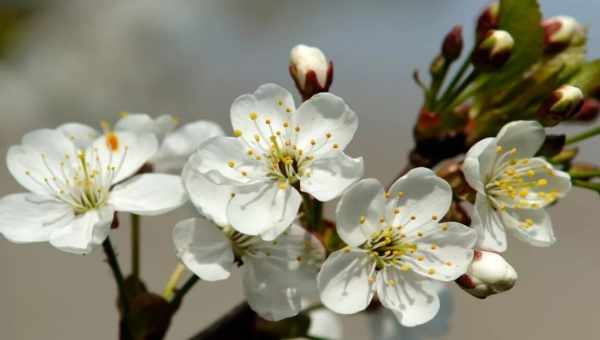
{"type": "Point", "coordinates": [387, 246]}
{"type": "Point", "coordinates": [241, 244]}
{"type": "Point", "coordinates": [520, 181]}
{"type": "Point", "coordinates": [82, 181]}
{"type": "Point", "coordinates": [276, 145]}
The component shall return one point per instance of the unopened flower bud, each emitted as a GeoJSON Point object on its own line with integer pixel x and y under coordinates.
{"type": "Point", "coordinates": [453, 44]}
{"type": "Point", "coordinates": [589, 110]}
{"type": "Point", "coordinates": [488, 274]}
{"type": "Point", "coordinates": [438, 65]}
{"type": "Point", "coordinates": [488, 20]}
{"type": "Point", "coordinates": [561, 32]}
{"type": "Point", "coordinates": [311, 70]}
{"type": "Point", "coordinates": [562, 104]}
{"type": "Point", "coordinates": [494, 50]}
{"type": "Point", "coordinates": [566, 155]}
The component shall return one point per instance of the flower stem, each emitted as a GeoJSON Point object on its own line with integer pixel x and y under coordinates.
{"type": "Point", "coordinates": [584, 173]}
{"type": "Point", "coordinates": [171, 286]}
{"type": "Point", "coordinates": [584, 135]}
{"type": "Point", "coordinates": [180, 293]}
{"type": "Point", "coordinates": [457, 77]}
{"type": "Point", "coordinates": [313, 210]}
{"type": "Point", "coordinates": [118, 274]}
{"type": "Point", "coordinates": [135, 245]}
{"type": "Point", "coordinates": [587, 185]}
{"type": "Point", "coordinates": [448, 102]}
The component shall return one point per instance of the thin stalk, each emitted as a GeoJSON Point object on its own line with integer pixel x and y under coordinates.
{"type": "Point", "coordinates": [181, 292]}
{"type": "Point", "coordinates": [587, 185]}
{"type": "Point", "coordinates": [135, 245]}
{"type": "Point", "coordinates": [171, 286]}
{"type": "Point", "coordinates": [436, 84]}
{"type": "Point", "coordinates": [313, 210]}
{"type": "Point", "coordinates": [457, 77]}
{"type": "Point", "coordinates": [449, 102]}
{"type": "Point", "coordinates": [584, 135]}
{"type": "Point", "coordinates": [584, 173]}
{"type": "Point", "coordinates": [118, 274]}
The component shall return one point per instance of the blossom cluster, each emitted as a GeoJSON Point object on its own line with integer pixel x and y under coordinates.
{"type": "Point", "coordinates": [249, 189]}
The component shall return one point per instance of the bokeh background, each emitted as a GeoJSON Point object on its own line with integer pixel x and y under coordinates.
{"type": "Point", "coordinates": [88, 60]}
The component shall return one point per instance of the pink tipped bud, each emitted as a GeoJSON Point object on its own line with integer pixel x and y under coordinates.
{"type": "Point", "coordinates": [494, 50]}
{"type": "Point", "coordinates": [488, 20]}
{"type": "Point", "coordinates": [562, 104]}
{"type": "Point", "coordinates": [311, 70]}
{"type": "Point", "coordinates": [561, 32]}
{"type": "Point", "coordinates": [453, 44]}
{"type": "Point", "coordinates": [589, 110]}
{"type": "Point", "coordinates": [488, 274]}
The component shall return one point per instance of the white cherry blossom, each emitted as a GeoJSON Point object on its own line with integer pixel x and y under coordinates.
{"type": "Point", "coordinates": [513, 186]}
{"type": "Point", "coordinates": [397, 248]}
{"type": "Point", "coordinates": [75, 192]}
{"type": "Point", "coordinates": [175, 144]}
{"type": "Point", "coordinates": [276, 274]}
{"type": "Point", "coordinates": [277, 151]}
{"type": "Point", "coordinates": [323, 325]}
{"type": "Point", "coordinates": [383, 325]}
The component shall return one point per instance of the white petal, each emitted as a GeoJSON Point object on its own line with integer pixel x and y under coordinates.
{"type": "Point", "coordinates": [479, 162]}
{"type": "Point", "coordinates": [359, 211]}
{"type": "Point", "coordinates": [325, 325]}
{"type": "Point", "coordinates": [149, 194]}
{"type": "Point", "coordinates": [38, 158]}
{"type": "Point", "coordinates": [209, 198]}
{"type": "Point", "coordinates": [321, 115]}
{"type": "Point", "coordinates": [344, 281]}
{"type": "Point", "coordinates": [280, 272]}
{"type": "Point", "coordinates": [297, 250]}
{"type": "Point", "coordinates": [269, 102]}
{"type": "Point", "coordinates": [163, 125]}
{"type": "Point", "coordinates": [84, 232]}
{"type": "Point", "coordinates": [224, 161]}
{"type": "Point", "coordinates": [330, 176]}
{"type": "Point", "coordinates": [28, 218]}
{"type": "Point", "coordinates": [269, 290]}
{"type": "Point", "coordinates": [257, 208]}
{"type": "Point", "coordinates": [204, 249]}
{"type": "Point", "coordinates": [530, 225]}
{"type": "Point", "coordinates": [489, 226]}
{"type": "Point", "coordinates": [413, 299]}
{"type": "Point", "coordinates": [421, 197]}
{"type": "Point", "coordinates": [81, 134]}
{"type": "Point", "coordinates": [526, 136]}
{"type": "Point", "coordinates": [130, 152]}
{"type": "Point", "coordinates": [135, 122]}
{"type": "Point", "coordinates": [273, 233]}
{"type": "Point", "coordinates": [385, 326]}
{"type": "Point", "coordinates": [444, 251]}
{"type": "Point", "coordinates": [181, 143]}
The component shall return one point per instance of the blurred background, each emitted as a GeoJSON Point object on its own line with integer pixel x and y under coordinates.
{"type": "Point", "coordinates": [87, 61]}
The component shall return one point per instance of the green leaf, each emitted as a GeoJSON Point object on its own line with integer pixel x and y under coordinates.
{"type": "Point", "coordinates": [588, 77]}
{"type": "Point", "coordinates": [520, 18]}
